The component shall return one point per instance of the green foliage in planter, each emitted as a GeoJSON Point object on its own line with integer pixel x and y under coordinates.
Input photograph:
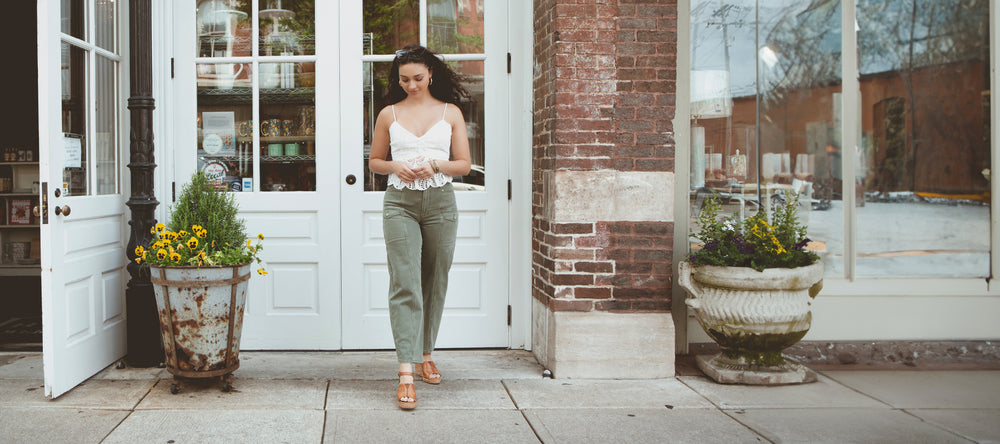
{"type": "Point", "coordinates": [216, 211]}
{"type": "Point", "coordinates": [752, 242]}
{"type": "Point", "coordinates": [204, 230]}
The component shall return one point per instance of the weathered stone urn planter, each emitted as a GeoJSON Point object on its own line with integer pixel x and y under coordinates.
{"type": "Point", "coordinates": [753, 316]}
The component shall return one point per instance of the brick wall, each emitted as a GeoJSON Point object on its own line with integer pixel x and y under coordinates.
{"type": "Point", "coordinates": [604, 98]}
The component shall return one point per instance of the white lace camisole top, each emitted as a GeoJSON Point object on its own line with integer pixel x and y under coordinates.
{"type": "Point", "coordinates": [405, 146]}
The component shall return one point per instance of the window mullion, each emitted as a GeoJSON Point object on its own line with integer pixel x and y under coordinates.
{"type": "Point", "coordinates": [423, 23]}
{"type": "Point", "coordinates": [255, 92]}
{"type": "Point", "coordinates": [850, 111]}
{"type": "Point", "coordinates": [994, 43]}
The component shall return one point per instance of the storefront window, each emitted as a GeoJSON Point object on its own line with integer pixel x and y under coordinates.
{"type": "Point", "coordinates": [766, 94]}
{"type": "Point", "coordinates": [765, 111]}
{"type": "Point", "coordinates": [923, 184]}
{"type": "Point", "coordinates": [454, 30]}
{"type": "Point", "coordinates": [257, 112]}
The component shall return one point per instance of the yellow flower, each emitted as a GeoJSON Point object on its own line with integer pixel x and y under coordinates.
{"type": "Point", "coordinates": [139, 250]}
{"type": "Point", "coordinates": [183, 233]}
{"type": "Point", "coordinates": [152, 230]}
{"type": "Point", "coordinates": [195, 228]}
{"type": "Point", "coordinates": [260, 236]}
{"type": "Point", "coordinates": [160, 226]}
{"type": "Point", "coordinates": [161, 254]}
{"type": "Point", "coordinates": [201, 233]}
{"type": "Point", "coordinates": [262, 272]}
{"type": "Point", "coordinates": [202, 255]}
{"type": "Point", "coordinates": [176, 257]}
{"type": "Point", "coordinates": [192, 243]}
{"type": "Point", "coordinates": [248, 242]}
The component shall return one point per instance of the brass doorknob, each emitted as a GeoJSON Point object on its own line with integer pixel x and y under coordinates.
{"type": "Point", "coordinates": [36, 211]}
{"type": "Point", "coordinates": [63, 210]}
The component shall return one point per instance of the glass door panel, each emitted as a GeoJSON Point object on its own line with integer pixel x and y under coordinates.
{"type": "Point", "coordinates": [106, 149]}
{"type": "Point", "coordinates": [257, 111]}
{"type": "Point", "coordinates": [454, 31]}
{"type": "Point", "coordinates": [287, 127]}
{"type": "Point", "coordinates": [223, 28]}
{"type": "Point", "coordinates": [225, 122]}
{"type": "Point", "coordinates": [74, 120]}
{"type": "Point", "coordinates": [287, 27]}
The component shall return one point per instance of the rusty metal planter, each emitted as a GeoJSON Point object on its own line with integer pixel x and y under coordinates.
{"type": "Point", "coordinates": [201, 318]}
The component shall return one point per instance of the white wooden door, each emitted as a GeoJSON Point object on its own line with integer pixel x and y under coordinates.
{"type": "Point", "coordinates": [476, 310]}
{"type": "Point", "coordinates": [84, 224]}
{"type": "Point", "coordinates": [227, 63]}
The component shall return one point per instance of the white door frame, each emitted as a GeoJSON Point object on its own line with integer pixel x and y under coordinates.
{"type": "Point", "coordinates": [520, 110]}
{"type": "Point", "coordinates": [520, 46]}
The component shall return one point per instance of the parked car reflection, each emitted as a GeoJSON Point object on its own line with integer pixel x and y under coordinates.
{"type": "Point", "coordinates": [474, 181]}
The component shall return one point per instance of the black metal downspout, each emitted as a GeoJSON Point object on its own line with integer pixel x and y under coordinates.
{"type": "Point", "coordinates": [144, 345]}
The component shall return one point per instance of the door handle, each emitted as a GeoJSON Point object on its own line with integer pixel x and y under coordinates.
{"type": "Point", "coordinates": [63, 210]}
{"type": "Point", "coordinates": [351, 179]}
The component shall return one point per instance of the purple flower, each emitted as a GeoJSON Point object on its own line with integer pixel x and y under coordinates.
{"type": "Point", "coordinates": [801, 245]}
{"type": "Point", "coordinates": [742, 245]}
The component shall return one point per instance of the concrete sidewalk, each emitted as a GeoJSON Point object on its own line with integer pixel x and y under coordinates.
{"type": "Point", "coordinates": [489, 396]}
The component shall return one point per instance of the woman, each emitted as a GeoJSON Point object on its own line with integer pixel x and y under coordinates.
{"type": "Point", "coordinates": [424, 131]}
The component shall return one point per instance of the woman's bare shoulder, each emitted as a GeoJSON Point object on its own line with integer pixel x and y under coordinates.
{"type": "Point", "coordinates": [386, 116]}
{"type": "Point", "coordinates": [454, 113]}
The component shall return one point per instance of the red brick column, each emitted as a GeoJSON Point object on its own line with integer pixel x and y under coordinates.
{"type": "Point", "coordinates": [604, 100]}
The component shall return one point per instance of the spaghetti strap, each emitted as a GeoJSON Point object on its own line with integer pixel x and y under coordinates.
{"type": "Point", "coordinates": [393, 113]}
{"type": "Point", "coordinates": [445, 111]}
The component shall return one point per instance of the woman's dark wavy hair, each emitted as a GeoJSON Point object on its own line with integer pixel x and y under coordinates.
{"type": "Point", "coordinates": [446, 86]}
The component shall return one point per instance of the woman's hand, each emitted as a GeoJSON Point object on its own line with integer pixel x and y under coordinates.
{"type": "Point", "coordinates": [424, 171]}
{"type": "Point", "coordinates": [407, 173]}
{"type": "Point", "coordinates": [403, 170]}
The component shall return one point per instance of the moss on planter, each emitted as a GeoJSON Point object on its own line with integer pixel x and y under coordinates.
{"type": "Point", "coordinates": [755, 349]}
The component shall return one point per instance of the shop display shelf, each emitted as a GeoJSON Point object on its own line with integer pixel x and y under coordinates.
{"type": "Point", "coordinates": [242, 95]}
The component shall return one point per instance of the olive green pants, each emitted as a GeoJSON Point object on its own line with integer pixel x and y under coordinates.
{"type": "Point", "coordinates": [420, 229]}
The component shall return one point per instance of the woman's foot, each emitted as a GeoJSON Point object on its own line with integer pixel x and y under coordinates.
{"type": "Point", "coordinates": [406, 394]}
{"type": "Point", "coordinates": [428, 371]}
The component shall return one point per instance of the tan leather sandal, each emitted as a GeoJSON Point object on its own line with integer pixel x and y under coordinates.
{"type": "Point", "coordinates": [406, 391]}
{"type": "Point", "coordinates": [426, 369]}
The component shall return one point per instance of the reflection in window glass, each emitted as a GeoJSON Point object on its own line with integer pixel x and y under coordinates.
{"type": "Point", "coordinates": [923, 206]}
{"type": "Point", "coordinates": [765, 118]}
{"type": "Point", "coordinates": [106, 140]}
{"type": "Point", "coordinates": [455, 26]}
{"type": "Point", "coordinates": [287, 27]}
{"type": "Point", "coordinates": [104, 21]}
{"type": "Point", "coordinates": [391, 25]}
{"type": "Point", "coordinates": [223, 28]}
{"type": "Point", "coordinates": [74, 120]}
{"type": "Point", "coordinates": [73, 18]}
